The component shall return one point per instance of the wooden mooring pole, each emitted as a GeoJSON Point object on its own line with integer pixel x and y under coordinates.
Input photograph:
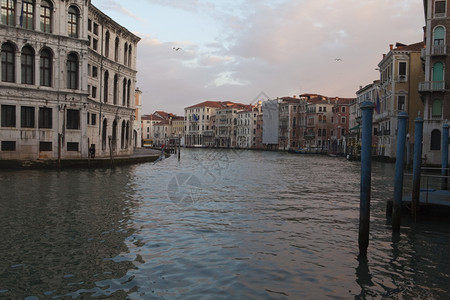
{"type": "Point", "coordinates": [417, 164]}
{"type": "Point", "coordinates": [366, 173]}
{"type": "Point", "coordinates": [399, 169]}
{"type": "Point", "coordinates": [444, 173]}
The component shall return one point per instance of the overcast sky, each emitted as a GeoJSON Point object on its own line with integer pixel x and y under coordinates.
{"type": "Point", "coordinates": [234, 50]}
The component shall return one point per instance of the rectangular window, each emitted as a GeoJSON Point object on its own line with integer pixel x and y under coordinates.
{"type": "Point", "coordinates": [8, 116]}
{"type": "Point", "coordinates": [73, 119]}
{"type": "Point", "coordinates": [93, 119]}
{"type": "Point", "coordinates": [45, 117]}
{"type": "Point", "coordinates": [94, 92]}
{"type": "Point", "coordinates": [94, 71]}
{"type": "Point", "coordinates": [45, 146]}
{"type": "Point", "coordinates": [89, 25]}
{"type": "Point", "coordinates": [8, 146]}
{"type": "Point", "coordinates": [72, 147]}
{"type": "Point", "coordinates": [401, 103]}
{"type": "Point", "coordinates": [8, 14]}
{"type": "Point", "coordinates": [402, 71]}
{"type": "Point", "coordinates": [95, 44]}
{"type": "Point", "coordinates": [88, 118]}
{"type": "Point", "coordinates": [27, 117]}
{"type": "Point", "coordinates": [95, 28]}
{"type": "Point", "coordinates": [439, 7]}
{"type": "Point", "coordinates": [26, 18]}
{"type": "Point", "coordinates": [45, 68]}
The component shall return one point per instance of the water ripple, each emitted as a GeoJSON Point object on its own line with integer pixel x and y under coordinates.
{"type": "Point", "coordinates": [258, 225]}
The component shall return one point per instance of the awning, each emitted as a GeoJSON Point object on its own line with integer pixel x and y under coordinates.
{"type": "Point", "coordinates": [354, 128]}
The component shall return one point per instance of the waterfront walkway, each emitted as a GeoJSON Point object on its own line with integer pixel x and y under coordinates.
{"type": "Point", "coordinates": [140, 155]}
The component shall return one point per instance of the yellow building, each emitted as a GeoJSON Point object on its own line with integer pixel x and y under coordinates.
{"type": "Point", "coordinates": [400, 74]}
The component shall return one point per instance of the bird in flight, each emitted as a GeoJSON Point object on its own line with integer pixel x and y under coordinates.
{"type": "Point", "coordinates": [338, 59]}
{"type": "Point", "coordinates": [176, 49]}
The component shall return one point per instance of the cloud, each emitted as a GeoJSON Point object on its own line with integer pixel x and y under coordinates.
{"type": "Point", "coordinates": [114, 5]}
{"type": "Point", "coordinates": [282, 48]}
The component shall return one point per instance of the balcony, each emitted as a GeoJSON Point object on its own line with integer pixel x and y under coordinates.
{"type": "Point", "coordinates": [432, 86]}
{"type": "Point", "coordinates": [423, 53]}
{"type": "Point", "coordinates": [438, 50]}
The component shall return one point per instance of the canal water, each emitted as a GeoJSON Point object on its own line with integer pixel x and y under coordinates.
{"type": "Point", "coordinates": [219, 224]}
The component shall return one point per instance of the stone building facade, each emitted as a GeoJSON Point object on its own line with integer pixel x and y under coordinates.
{"type": "Point", "coordinates": [111, 85]}
{"type": "Point", "coordinates": [47, 108]}
{"type": "Point", "coordinates": [434, 90]}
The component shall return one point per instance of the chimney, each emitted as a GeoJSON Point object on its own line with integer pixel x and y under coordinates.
{"type": "Point", "coordinates": [391, 46]}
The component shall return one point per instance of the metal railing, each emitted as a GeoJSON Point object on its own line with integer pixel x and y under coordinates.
{"type": "Point", "coordinates": [431, 179]}
{"type": "Point", "coordinates": [432, 86]}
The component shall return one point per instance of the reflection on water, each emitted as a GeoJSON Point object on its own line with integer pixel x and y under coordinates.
{"type": "Point", "coordinates": [219, 225]}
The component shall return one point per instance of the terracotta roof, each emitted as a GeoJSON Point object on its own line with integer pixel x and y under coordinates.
{"type": "Point", "coordinates": [214, 104]}
{"type": "Point", "coordinates": [151, 118]}
{"type": "Point", "coordinates": [221, 105]}
{"type": "Point", "coordinates": [412, 47]}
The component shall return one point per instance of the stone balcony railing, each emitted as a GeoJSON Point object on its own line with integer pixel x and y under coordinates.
{"type": "Point", "coordinates": [432, 86]}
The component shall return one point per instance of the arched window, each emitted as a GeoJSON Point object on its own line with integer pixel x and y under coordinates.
{"type": "Point", "coordinates": [116, 84]}
{"type": "Point", "coordinates": [105, 86]}
{"type": "Point", "coordinates": [27, 14]}
{"type": "Point", "coordinates": [122, 138]}
{"type": "Point", "coordinates": [128, 93]}
{"type": "Point", "coordinates": [46, 68]}
{"type": "Point", "coordinates": [436, 109]}
{"type": "Point", "coordinates": [125, 54]}
{"type": "Point", "coordinates": [8, 12]}
{"type": "Point", "coordinates": [124, 92]}
{"type": "Point", "coordinates": [72, 22]}
{"type": "Point", "coordinates": [127, 134]}
{"type": "Point", "coordinates": [438, 76]}
{"type": "Point", "coordinates": [27, 65]}
{"type": "Point", "coordinates": [324, 119]}
{"type": "Point", "coordinates": [114, 135]}
{"type": "Point", "coordinates": [107, 44]}
{"type": "Point", "coordinates": [8, 65]}
{"type": "Point", "coordinates": [438, 71]}
{"type": "Point", "coordinates": [46, 16]}
{"type": "Point", "coordinates": [435, 140]}
{"type": "Point", "coordinates": [438, 36]}
{"type": "Point", "coordinates": [129, 55]}
{"type": "Point", "coordinates": [116, 50]}
{"type": "Point", "coordinates": [72, 71]}
{"type": "Point", "coordinates": [104, 133]}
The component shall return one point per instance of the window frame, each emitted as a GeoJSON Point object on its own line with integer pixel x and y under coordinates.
{"type": "Point", "coordinates": [9, 18]}
{"type": "Point", "coordinates": [73, 15]}
{"type": "Point", "coordinates": [27, 14]}
{"type": "Point", "coordinates": [27, 117]}
{"type": "Point", "coordinates": [73, 119]}
{"type": "Point", "coordinates": [444, 8]}
{"type": "Point", "coordinates": [45, 118]}
{"type": "Point", "coordinates": [72, 71]}
{"type": "Point", "coordinates": [46, 16]}
{"type": "Point", "coordinates": [8, 63]}
{"type": "Point", "coordinates": [27, 65]}
{"type": "Point", "coordinates": [46, 68]}
{"type": "Point", "coordinates": [435, 140]}
{"type": "Point", "coordinates": [434, 108]}
{"type": "Point", "coordinates": [8, 115]}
